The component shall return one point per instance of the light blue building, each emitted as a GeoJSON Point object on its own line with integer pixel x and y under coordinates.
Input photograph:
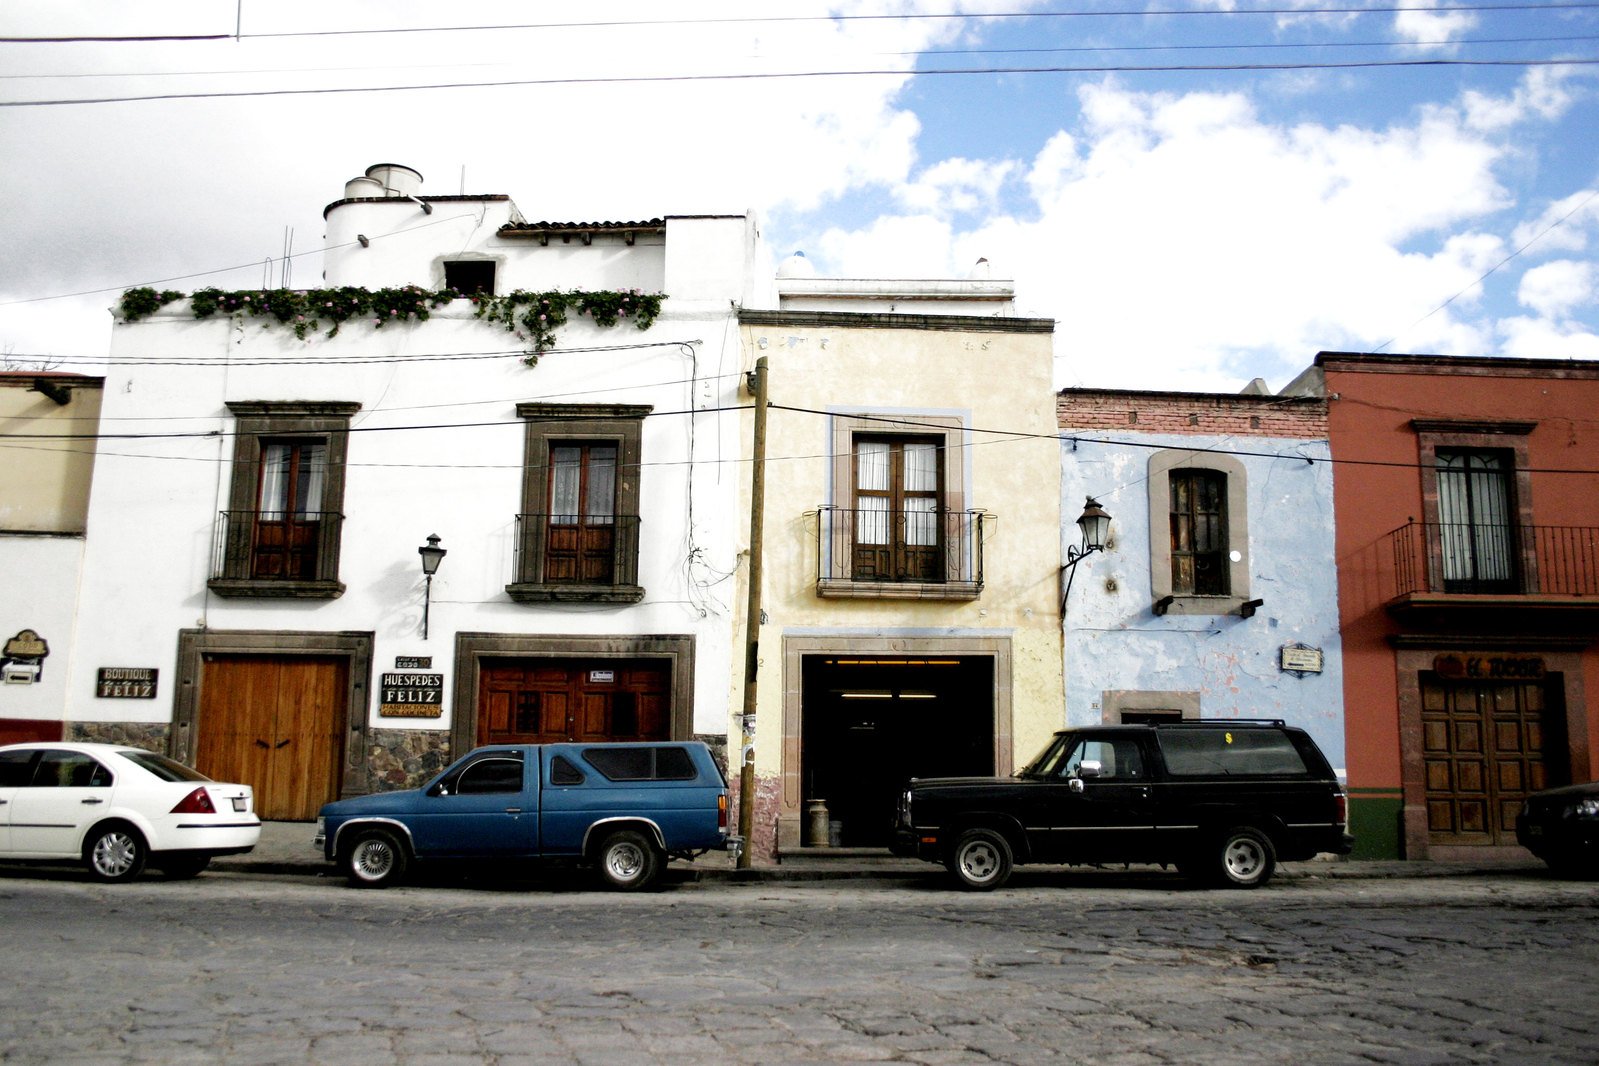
{"type": "Point", "coordinates": [1215, 594]}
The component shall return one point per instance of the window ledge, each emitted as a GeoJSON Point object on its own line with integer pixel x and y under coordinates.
{"type": "Point", "coordinates": [265, 589]}
{"type": "Point", "coordinates": [832, 588]}
{"type": "Point", "coordinates": [529, 592]}
{"type": "Point", "coordinates": [1174, 604]}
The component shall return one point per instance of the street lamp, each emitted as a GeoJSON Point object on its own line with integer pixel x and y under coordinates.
{"type": "Point", "coordinates": [1095, 524]}
{"type": "Point", "coordinates": [432, 555]}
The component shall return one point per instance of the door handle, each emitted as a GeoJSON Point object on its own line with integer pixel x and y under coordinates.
{"type": "Point", "coordinates": [93, 801]}
{"type": "Point", "coordinates": [262, 744]}
{"type": "Point", "coordinates": [283, 743]}
{"type": "Point", "coordinates": [513, 810]}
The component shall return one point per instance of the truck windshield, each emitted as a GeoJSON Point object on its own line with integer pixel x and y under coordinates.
{"type": "Point", "coordinates": [1050, 761]}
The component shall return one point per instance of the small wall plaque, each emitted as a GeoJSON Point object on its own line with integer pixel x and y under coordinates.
{"type": "Point", "coordinates": [413, 662]}
{"type": "Point", "coordinates": [1300, 659]}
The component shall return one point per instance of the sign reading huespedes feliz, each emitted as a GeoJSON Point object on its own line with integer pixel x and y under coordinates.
{"type": "Point", "coordinates": [408, 695]}
{"type": "Point", "coordinates": [125, 683]}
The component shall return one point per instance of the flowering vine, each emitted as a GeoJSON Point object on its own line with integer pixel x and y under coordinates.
{"type": "Point", "coordinates": [532, 316]}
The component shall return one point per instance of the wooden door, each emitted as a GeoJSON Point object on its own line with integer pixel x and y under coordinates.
{"type": "Point", "coordinates": [275, 723]}
{"type": "Point", "coordinates": [550, 701]}
{"type": "Point", "coordinates": [1484, 750]}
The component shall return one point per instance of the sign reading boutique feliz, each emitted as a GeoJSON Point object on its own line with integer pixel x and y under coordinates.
{"type": "Point", "coordinates": [408, 695]}
{"type": "Point", "coordinates": [125, 683]}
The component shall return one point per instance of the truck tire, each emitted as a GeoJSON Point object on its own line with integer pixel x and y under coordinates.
{"type": "Point", "coordinates": [629, 861]}
{"type": "Point", "coordinates": [980, 859]}
{"type": "Point", "coordinates": [1243, 858]}
{"type": "Point", "coordinates": [376, 858]}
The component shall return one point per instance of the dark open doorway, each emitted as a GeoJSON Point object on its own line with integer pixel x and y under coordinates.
{"type": "Point", "coordinates": [872, 723]}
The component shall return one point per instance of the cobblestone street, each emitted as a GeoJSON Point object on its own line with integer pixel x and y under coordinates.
{"type": "Point", "coordinates": [1087, 967]}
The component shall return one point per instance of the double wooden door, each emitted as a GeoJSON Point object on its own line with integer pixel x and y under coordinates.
{"type": "Point", "coordinates": [275, 723]}
{"type": "Point", "coordinates": [549, 701]}
{"type": "Point", "coordinates": [1486, 746]}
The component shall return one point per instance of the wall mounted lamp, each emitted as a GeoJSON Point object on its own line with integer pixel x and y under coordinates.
{"type": "Point", "coordinates": [1095, 524]}
{"type": "Point", "coordinates": [432, 555]}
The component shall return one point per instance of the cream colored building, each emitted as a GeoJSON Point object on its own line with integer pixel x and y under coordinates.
{"type": "Point", "coordinates": [910, 549]}
{"type": "Point", "coordinates": [48, 421]}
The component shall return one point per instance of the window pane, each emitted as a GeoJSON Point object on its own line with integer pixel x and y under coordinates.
{"type": "Point", "coordinates": [312, 470]}
{"type": "Point", "coordinates": [921, 522]}
{"type": "Point", "coordinates": [490, 775]}
{"type": "Point", "coordinates": [871, 520]}
{"type": "Point", "coordinates": [601, 502]}
{"type": "Point", "coordinates": [274, 499]}
{"type": "Point", "coordinates": [871, 466]}
{"type": "Point", "coordinates": [566, 478]}
{"type": "Point", "coordinates": [15, 767]}
{"type": "Point", "coordinates": [621, 764]}
{"type": "Point", "coordinates": [69, 769]}
{"type": "Point", "coordinates": [921, 467]}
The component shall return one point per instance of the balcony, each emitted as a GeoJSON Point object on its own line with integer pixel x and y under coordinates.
{"type": "Point", "coordinates": [277, 555]}
{"type": "Point", "coordinates": [877, 554]}
{"type": "Point", "coordinates": [1495, 577]}
{"type": "Point", "coordinates": [576, 559]}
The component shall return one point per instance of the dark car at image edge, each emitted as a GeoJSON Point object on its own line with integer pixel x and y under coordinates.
{"type": "Point", "coordinates": [1561, 827]}
{"type": "Point", "coordinates": [1222, 800]}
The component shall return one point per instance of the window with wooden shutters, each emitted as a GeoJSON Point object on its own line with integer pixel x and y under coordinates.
{"type": "Point", "coordinates": [1199, 533]}
{"type": "Point", "coordinates": [281, 533]}
{"type": "Point", "coordinates": [577, 533]}
{"type": "Point", "coordinates": [582, 523]}
{"type": "Point", "coordinates": [288, 520]}
{"type": "Point", "coordinates": [898, 528]}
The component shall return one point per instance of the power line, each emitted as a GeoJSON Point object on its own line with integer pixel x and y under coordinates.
{"type": "Point", "coordinates": [660, 79]}
{"type": "Point", "coordinates": [1141, 13]}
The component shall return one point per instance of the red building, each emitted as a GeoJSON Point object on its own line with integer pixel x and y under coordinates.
{"type": "Point", "coordinates": [1467, 508]}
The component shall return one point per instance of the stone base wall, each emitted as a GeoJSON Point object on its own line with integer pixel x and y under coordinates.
{"type": "Point", "coordinates": [151, 736]}
{"type": "Point", "coordinates": [405, 758]}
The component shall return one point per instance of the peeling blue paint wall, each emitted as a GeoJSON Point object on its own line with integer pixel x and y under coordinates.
{"type": "Point", "coordinates": [1115, 641]}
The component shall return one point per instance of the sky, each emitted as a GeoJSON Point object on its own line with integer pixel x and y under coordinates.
{"type": "Point", "coordinates": [1199, 193]}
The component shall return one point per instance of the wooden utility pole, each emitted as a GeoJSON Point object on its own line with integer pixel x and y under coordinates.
{"type": "Point", "coordinates": [752, 619]}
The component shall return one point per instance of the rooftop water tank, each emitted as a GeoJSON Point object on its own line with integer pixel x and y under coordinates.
{"type": "Point", "coordinates": [397, 180]}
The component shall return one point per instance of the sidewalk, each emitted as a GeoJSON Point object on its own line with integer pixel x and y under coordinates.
{"type": "Point", "coordinates": [285, 848]}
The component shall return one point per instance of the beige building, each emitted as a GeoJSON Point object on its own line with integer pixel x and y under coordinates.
{"type": "Point", "coordinates": [910, 549]}
{"type": "Point", "coordinates": [48, 422]}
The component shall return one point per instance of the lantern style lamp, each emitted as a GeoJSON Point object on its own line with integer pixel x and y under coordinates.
{"type": "Point", "coordinates": [432, 555]}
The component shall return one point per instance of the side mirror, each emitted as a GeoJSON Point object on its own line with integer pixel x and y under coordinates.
{"type": "Point", "coordinates": [1089, 768]}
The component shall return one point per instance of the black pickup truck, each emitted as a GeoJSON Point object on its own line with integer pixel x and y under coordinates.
{"type": "Point", "coordinates": [1222, 800]}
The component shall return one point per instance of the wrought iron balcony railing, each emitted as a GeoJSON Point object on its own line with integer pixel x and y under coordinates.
{"type": "Point", "coordinates": [276, 546]}
{"type": "Point", "coordinates": [933, 553]}
{"type": "Point", "coordinates": [1518, 560]}
{"type": "Point", "coordinates": [581, 551]}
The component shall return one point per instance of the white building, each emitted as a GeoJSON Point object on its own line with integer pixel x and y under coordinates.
{"type": "Point", "coordinates": [257, 546]}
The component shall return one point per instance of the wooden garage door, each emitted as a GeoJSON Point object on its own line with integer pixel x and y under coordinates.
{"type": "Point", "coordinates": [276, 724]}
{"type": "Point", "coordinates": [544, 701]}
{"type": "Point", "coordinates": [1483, 745]}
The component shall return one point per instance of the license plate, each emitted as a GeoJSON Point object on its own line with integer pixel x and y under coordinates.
{"type": "Point", "coordinates": [238, 803]}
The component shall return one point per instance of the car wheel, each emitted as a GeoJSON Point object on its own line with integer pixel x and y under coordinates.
{"type": "Point", "coordinates": [628, 861]}
{"type": "Point", "coordinates": [185, 868]}
{"type": "Point", "coordinates": [1244, 858]}
{"type": "Point", "coordinates": [376, 858]}
{"type": "Point", "coordinates": [115, 852]}
{"type": "Point", "coordinates": [980, 860]}
{"type": "Point", "coordinates": [1573, 866]}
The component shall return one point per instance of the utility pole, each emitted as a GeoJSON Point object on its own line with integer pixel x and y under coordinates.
{"type": "Point", "coordinates": [756, 382]}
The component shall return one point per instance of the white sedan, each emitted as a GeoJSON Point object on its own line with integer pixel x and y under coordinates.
{"type": "Point", "coordinates": [115, 808]}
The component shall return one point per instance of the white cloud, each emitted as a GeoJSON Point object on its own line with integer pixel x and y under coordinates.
{"type": "Point", "coordinates": [1541, 338]}
{"type": "Point", "coordinates": [1432, 29]}
{"type": "Point", "coordinates": [956, 186]}
{"type": "Point", "coordinates": [1554, 289]}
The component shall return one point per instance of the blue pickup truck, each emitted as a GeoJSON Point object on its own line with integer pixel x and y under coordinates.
{"type": "Point", "coordinates": [623, 809]}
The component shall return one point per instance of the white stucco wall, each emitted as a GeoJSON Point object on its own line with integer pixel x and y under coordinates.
{"type": "Point", "coordinates": [1115, 642]}
{"type": "Point", "coordinates": [437, 447]}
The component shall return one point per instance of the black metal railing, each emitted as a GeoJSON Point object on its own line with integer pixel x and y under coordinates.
{"type": "Point", "coordinates": [1506, 559]}
{"type": "Point", "coordinates": [863, 545]}
{"type": "Point", "coordinates": [276, 546]}
{"type": "Point", "coordinates": [577, 550]}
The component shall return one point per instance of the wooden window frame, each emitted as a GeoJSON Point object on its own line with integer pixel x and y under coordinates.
{"type": "Point", "coordinates": [549, 425]}
{"type": "Point", "coordinates": [263, 422]}
{"type": "Point", "coordinates": [1170, 601]}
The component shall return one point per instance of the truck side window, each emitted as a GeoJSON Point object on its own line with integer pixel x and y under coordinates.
{"type": "Point", "coordinates": [562, 772]}
{"type": "Point", "coordinates": [490, 775]}
{"type": "Point", "coordinates": [1116, 758]}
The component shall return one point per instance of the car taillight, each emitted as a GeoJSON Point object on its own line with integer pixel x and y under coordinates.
{"type": "Point", "coordinates": [196, 802]}
{"type": "Point", "coordinates": [721, 811]}
{"type": "Point", "coordinates": [1341, 808]}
